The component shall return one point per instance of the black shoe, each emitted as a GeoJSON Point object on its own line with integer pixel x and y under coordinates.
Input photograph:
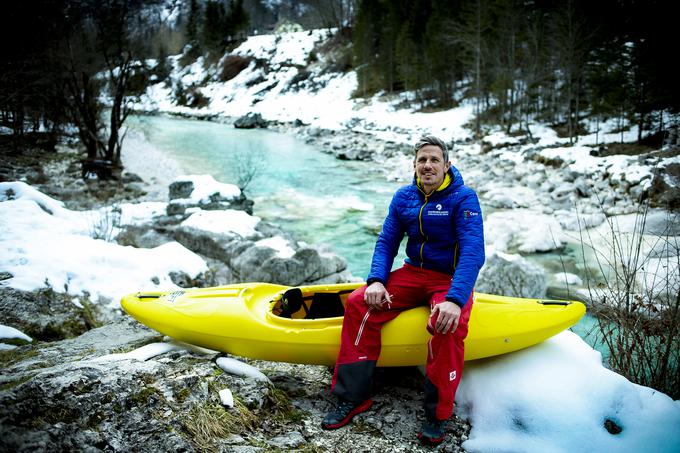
{"type": "Point", "coordinates": [432, 431]}
{"type": "Point", "coordinates": [343, 412]}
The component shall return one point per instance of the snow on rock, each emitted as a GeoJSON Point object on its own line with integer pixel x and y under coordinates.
{"type": "Point", "coordinates": [136, 213]}
{"type": "Point", "coordinates": [566, 278]}
{"type": "Point", "coordinates": [20, 190]}
{"type": "Point", "coordinates": [621, 170]}
{"type": "Point", "coordinates": [239, 368]}
{"type": "Point", "coordinates": [194, 73]}
{"type": "Point", "coordinates": [226, 398]}
{"type": "Point", "coordinates": [282, 49]}
{"type": "Point", "coordinates": [57, 249]}
{"type": "Point", "coordinates": [281, 245]}
{"type": "Point", "coordinates": [523, 230]}
{"type": "Point", "coordinates": [7, 332]}
{"type": "Point", "coordinates": [511, 197]}
{"type": "Point", "coordinates": [577, 221]}
{"type": "Point", "coordinates": [229, 222]}
{"type": "Point", "coordinates": [558, 398]}
{"type": "Point", "coordinates": [146, 352]}
{"type": "Point", "coordinates": [200, 188]}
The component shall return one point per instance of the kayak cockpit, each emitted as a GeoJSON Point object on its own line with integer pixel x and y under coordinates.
{"type": "Point", "coordinates": [312, 303]}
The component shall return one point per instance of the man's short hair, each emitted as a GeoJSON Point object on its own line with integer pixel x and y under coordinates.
{"type": "Point", "coordinates": [431, 140]}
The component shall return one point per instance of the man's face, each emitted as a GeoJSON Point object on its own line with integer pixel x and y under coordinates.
{"type": "Point", "coordinates": [430, 167]}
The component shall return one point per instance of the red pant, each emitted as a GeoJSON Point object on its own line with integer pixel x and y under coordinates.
{"type": "Point", "coordinates": [360, 344]}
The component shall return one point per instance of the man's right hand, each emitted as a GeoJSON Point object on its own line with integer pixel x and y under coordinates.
{"type": "Point", "coordinates": [376, 295]}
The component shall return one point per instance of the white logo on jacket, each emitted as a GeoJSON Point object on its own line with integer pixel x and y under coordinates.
{"type": "Point", "coordinates": [438, 212]}
{"type": "Point", "coordinates": [452, 375]}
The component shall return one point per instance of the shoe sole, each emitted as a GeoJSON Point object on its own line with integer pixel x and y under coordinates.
{"type": "Point", "coordinates": [431, 441]}
{"type": "Point", "coordinates": [363, 407]}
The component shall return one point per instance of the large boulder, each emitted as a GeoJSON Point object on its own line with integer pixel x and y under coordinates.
{"type": "Point", "coordinates": [307, 265]}
{"type": "Point", "coordinates": [524, 231]}
{"type": "Point", "coordinates": [258, 257]}
{"type": "Point", "coordinates": [83, 394]}
{"type": "Point", "coordinates": [250, 121]}
{"type": "Point", "coordinates": [202, 191]}
{"type": "Point", "coordinates": [46, 314]}
{"type": "Point", "coordinates": [511, 275]}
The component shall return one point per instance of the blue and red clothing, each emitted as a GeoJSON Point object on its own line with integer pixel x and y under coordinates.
{"type": "Point", "coordinates": [445, 251]}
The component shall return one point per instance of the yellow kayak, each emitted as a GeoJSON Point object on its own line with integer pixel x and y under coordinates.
{"type": "Point", "coordinates": [302, 325]}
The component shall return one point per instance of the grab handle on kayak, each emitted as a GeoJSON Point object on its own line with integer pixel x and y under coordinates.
{"type": "Point", "coordinates": [148, 296]}
{"type": "Point", "coordinates": [554, 302]}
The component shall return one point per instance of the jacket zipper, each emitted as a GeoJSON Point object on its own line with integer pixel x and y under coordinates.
{"type": "Point", "coordinates": [420, 224]}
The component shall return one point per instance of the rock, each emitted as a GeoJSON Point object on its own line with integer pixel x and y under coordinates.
{"type": "Point", "coordinates": [250, 262]}
{"type": "Point", "coordinates": [511, 275]}
{"type": "Point", "coordinates": [213, 245]}
{"type": "Point", "coordinates": [523, 230]}
{"type": "Point", "coordinates": [577, 221]}
{"type": "Point", "coordinates": [142, 237]}
{"type": "Point", "coordinates": [47, 315]}
{"type": "Point", "coordinates": [250, 121]}
{"type": "Point", "coordinates": [292, 440]}
{"type": "Point", "coordinates": [71, 395]}
{"type": "Point", "coordinates": [563, 192]}
{"type": "Point", "coordinates": [188, 193]}
{"type": "Point", "coordinates": [583, 189]}
{"type": "Point", "coordinates": [566, 279]}
{"type": "Point", "coordinates": [180, 189]}
{"type": "Point", "coordinates": [664, 191]}
{"type": "Point", "coordinates": [305, 266]}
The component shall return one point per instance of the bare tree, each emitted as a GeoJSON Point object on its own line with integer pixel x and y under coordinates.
{"type": "Point", "coordinates": [104, 50]}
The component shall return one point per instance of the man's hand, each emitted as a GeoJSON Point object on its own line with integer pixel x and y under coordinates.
{"type": "Point", "coordinates": [376, 295]}
{"type": "Point", "coordinates": [449, 314]}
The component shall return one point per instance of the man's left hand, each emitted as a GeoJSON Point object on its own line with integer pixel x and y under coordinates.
{"type": "Point", "coordinates": [449, 314]}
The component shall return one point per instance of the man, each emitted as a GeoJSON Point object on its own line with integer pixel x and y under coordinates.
{"type": "Point", "coordinates": [443, 221]}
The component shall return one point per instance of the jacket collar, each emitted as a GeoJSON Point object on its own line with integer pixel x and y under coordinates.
{"type": "Point", "coordinates": [452, 178]}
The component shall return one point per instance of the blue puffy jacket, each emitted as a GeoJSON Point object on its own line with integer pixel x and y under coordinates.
{"type": "Point", "coordinates": [445, 234]}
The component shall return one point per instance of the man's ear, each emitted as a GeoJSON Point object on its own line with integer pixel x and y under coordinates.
{"type": "Point", "coordinates": [448, 165]}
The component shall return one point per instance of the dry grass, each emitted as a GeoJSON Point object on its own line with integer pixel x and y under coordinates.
{"type": "Point", "coordinates": [208, 422]}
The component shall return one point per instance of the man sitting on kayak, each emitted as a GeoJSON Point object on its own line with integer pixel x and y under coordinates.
{"type": "Point", "coordinates": [443, 221]}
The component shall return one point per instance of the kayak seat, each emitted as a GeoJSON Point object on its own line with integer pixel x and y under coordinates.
{"type": "Point", "coordinates": [325, 305]}
{"type": "Point", "coordinates": [292, 302]}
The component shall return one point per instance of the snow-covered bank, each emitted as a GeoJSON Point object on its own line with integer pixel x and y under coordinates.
{"type": "Point", "coordinates": [278, 93]}
{"type": "Point", "coordinates": [45, 244]}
